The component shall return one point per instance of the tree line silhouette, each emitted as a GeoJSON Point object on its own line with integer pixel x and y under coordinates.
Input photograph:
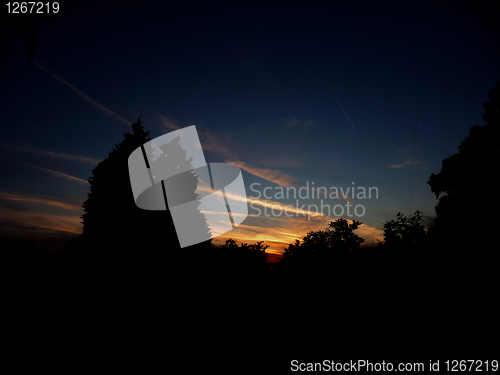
{"type": "Point", "coordinates": [124, 245]}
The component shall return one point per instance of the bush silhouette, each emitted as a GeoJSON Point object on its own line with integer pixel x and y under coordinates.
{"type": "Point", "coordinates": [321, 252]}
{"type": "Point", "coordinates": [339, 237]}
{"type": "Point", "coordinates": [404, 233]}
{"type": "Point", "coordinates": [233, 261]}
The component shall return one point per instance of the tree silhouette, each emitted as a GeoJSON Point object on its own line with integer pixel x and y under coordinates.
{"type": "Point", "coordinates": [115, 230]}
{"type": "Point", "coordinates": [463, 220]}
{"type": "Point", "coordinates": [338, 239]}
{"type": "Point", "coordinates": [404, 233]}
{"type": "Point", "coordinates": [125, 242]}
{"type": "Point", "coordinates": [323, 257]}
{"type": "Point", "coordinates": [341, 235]}
{"type": "Point", "coordinates": [234, 261]}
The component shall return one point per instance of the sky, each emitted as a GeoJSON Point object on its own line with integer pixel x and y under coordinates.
{"type": "Point", "coordinates": [324, 97]}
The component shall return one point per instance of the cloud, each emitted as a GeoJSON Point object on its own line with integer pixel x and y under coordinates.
{"type": "Point", "coordinates": [50, 154]}
{"type": "Point", "coordinates": [404, 164]}
{"type": "Point", "coordinates": [289, 161]}
{"type": "Point", "coordinates": [292, 121]}
{"type": "Point", "coordinates": [272, 175]}
{"type": "Point", "coordinates": [331, 192]}
{"type": "Point", "coordinates": [296, 121]}
{"type": "Point", "coordinates": [272, 205]}
{"type": "Point", "coordinates": [63, 223]}
{"type": "Point", "coordinates": [216, 143]}
{"type": "Point", "coordinates": [229, 148]}
{"type": "Point", "coordinates": [96, 104]}
{"type": "Point", "coordinates": [293, 223]}
{"type": "Point", "coordinates": [57, 174]}
{"type": "Point", "coordinates": [168, 123]}
{"type": "Point", "coordinates": [254, 233]}
{"type": "Point", "coordinates": [279, 232]}
{"type": "Point", "coordinates": [280, 207]}
{"type": "Point", "coordinates": [63, 156]}
{"type": "Point", "coordinates": [370, 234]}
{"type": "Point", "coordinates": [74, 206]}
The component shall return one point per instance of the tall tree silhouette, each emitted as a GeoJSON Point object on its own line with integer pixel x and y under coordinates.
{"type": "Point", "coordinates": [467, 211]}
{"type": "Point", "coordinates": [114, 228]}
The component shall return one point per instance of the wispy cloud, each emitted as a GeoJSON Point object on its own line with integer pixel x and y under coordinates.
{"type": "Point", "coordinates": [294, 223]}
{"type": "Point", "coordinates": [96, 104]}
{"type": "Point", "coordinates": [57, 174]}
{"type": "Point", "coordinates": [50, 154]}
{"type": "Point", "coordinates": [278, 237]}
{"type": "Point", "coordinates": [272, 175]}
{"type": "Point", "coordinates": [168, 123]}
{"type": "Point", "coordinates": [62, 223]}
{"type": "Point", "coordinates": [284, 208]}
{"type": "Point", "coordinates": [291, 160]}
{"type": "Point", "coordinates": [332, 192]}
{"type": "Point", "coordinates": [217, 144]}
{"type": "Point", "coordinates": [292, 122]}
{"type": "Point", "coordinates": [404, 164]}
{"type": "Point", "coordinates": [273, 205]}
{"type": "Point", "coordinates": [74, 206]}
{"type": "Point", "coordinates": [279, 232]}
{"type": "Point", "coordinates": [231, 149]}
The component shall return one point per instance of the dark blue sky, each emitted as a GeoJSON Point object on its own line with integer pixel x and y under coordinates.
{"type": "Point", "coordinates": [255, 81]}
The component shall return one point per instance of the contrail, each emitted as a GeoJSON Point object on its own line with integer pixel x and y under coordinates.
{"type": "Point", "coordinates": [341, 107]}
{"type": "Point", "coordinates": [413, 157]}
{"type": "Point", "coordinates": [51, 154]}
{"type": "Point", "coordinates": [55, 173]}
{"type": "Point", "coordinates": [85, 96]}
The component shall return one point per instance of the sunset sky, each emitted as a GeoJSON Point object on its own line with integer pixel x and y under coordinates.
{"type": "Point", "coordinates": [292, 95]}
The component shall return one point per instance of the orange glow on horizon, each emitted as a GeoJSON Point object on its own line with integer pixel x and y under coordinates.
{"type": "Point", "coordinates": [63, 223]}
